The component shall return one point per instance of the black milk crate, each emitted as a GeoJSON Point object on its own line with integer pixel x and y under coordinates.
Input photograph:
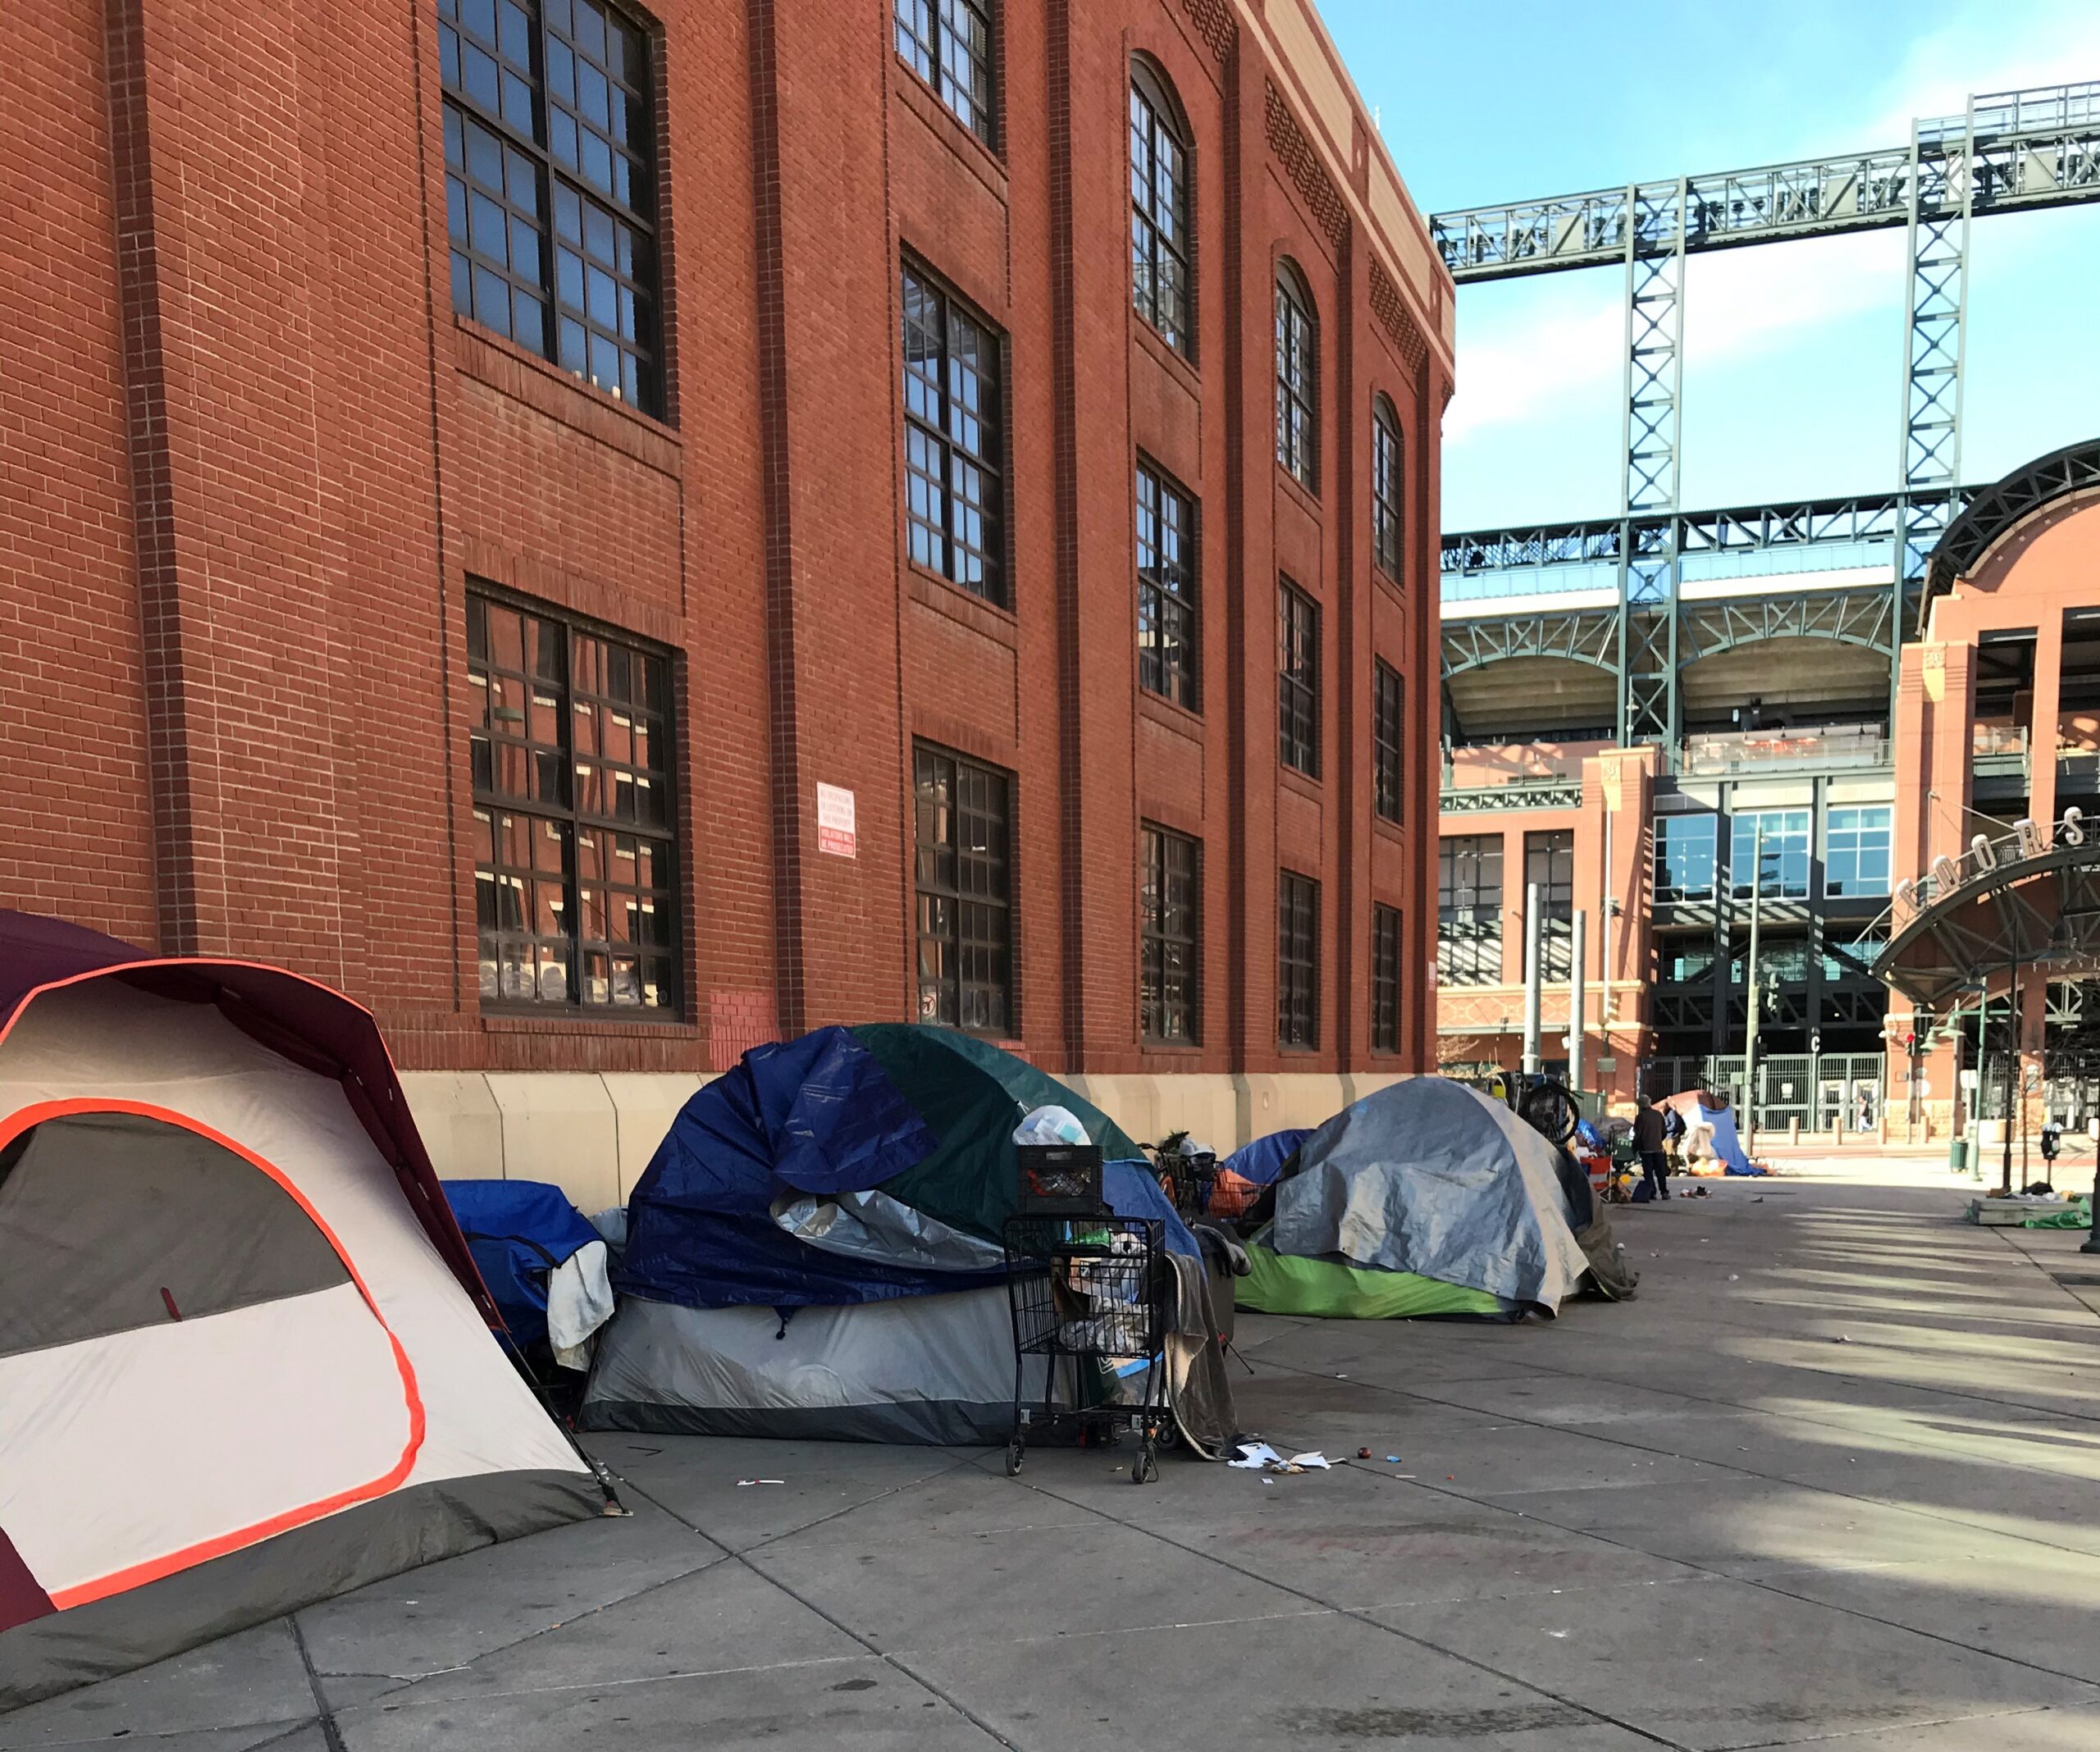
{"type": "Point", "coordinates": [1091, 1295]}
{"type": "Point", "coordinates": [1060, 1180]}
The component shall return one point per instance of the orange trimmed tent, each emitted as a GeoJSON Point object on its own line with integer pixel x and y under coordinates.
{"type": "Point", "coordinates": [245, 1357]}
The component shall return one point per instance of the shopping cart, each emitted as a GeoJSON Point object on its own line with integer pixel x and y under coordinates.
{"type": "Point", "coordinates": [1090, 1294]}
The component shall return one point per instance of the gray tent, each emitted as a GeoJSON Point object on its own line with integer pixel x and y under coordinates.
{"type": "Point", "coordinates": [1432, 1181]}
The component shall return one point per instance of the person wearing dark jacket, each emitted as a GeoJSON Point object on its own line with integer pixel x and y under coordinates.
{"type": "Point", "coordinates": [1648, 1139]}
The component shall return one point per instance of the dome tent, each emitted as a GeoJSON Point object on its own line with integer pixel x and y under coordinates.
{"type": "Point", "coordinates": [1428, 1198]}
{"type": "Point", "coordinates": [814, 1250]}
{"type": "Point", "coordinates": [245, 1359]}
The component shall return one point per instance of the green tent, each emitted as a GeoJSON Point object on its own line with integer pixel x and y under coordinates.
{"type": "Point", "coordinates": [972, 1095]}
{"type": "Point", "coordinates": [1283, 1284]}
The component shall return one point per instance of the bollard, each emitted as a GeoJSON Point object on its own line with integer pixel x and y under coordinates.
{"type": "Point", "coordinates": [1794, 1130]}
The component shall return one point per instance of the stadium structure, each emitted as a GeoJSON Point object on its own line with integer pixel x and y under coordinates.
{"type": "Point", "coordinates": [1671, 720]}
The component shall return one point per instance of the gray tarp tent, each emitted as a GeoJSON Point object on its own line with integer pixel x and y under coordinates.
{"type": "Point", "coordinates": [1432, 1178]}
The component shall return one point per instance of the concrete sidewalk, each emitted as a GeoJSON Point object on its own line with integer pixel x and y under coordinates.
{"type": "Point", "coordinates": [1827, 1479]}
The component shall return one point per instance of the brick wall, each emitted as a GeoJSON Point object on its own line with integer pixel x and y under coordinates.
{"type": "Point", "coordinates": [252, 460]}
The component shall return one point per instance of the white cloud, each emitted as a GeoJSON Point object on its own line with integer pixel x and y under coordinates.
{"type": "Point", "coordinates": [1543, 355]}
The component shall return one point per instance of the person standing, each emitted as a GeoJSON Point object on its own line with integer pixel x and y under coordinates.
{"type": "Point", "coordinates": [1648, 1146]}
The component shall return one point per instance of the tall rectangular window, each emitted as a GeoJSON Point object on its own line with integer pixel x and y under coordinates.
{"type": "Point", "coordinates": [955, 422]}
{"type": "Point", "coordinates": [1297, 381]}
{"type": "Point", "coordinates": [965, 876]}
{"type": "Point", "coordinates": [1171, 945]}
{"type": "Point", "coordinates": [1298, 681]}
{"type": "Point", "coordinates": [1857, 862]}
{"type": "Point", "coordinates": [1783, 833]}
{"type": "Point", "coordinates": [1685, 850]}
{"type": "Point", "coordinates": [949, 44]}
{"type": "Point", "coordinates": [1385, 979]}
{"type": "Point", "coordinates": [1549, 861]}
{"type": "Point", "coordinates": [1388, 740]}
{"type": "Point", "coordinates": [1166, 590]}
{"type": "Point", "coordinates": [1469, 910]}
{"type": "Point", "coordinates": [1160, 233]}
{"type": "Point", "coordinates": [1387, 487]}
{"type": "Point", "coordinates": [550, 184]}
{"type": "Point", "coordinates": [574, 821]}
{"type": "Point", "coordinates": [1298, 960]}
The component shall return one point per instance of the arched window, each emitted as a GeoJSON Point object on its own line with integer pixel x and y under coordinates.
{"type": "Point", "coordinates": [1161, 241]}
{"type": "Point", "coordinates": [1387, 487]}
{"type": "Point", "coordinates": [1298, 379]}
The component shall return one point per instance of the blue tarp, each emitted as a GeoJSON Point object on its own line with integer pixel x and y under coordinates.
{"type": "Point", "coordinates": [821, 1115]}
{"type": "Point", "coordinates": [1262, 1161]}
{"type": "Point", "coordinates": [518, 1231]}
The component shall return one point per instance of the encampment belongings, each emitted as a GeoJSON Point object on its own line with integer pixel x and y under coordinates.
{"type": "Point", "coordinates": [1429, 1198]}
{"type": "Point", "coordinates": [1243, 1176]}
{"type": "Point", "coordinates": [815, 1248]}
{"type": "Point", "coordinates": [2014, 1210]}
{"type": "Point", "coordinates": [1060, 1180]}
{"type": "Point", "coordinates": [542, 1260]}
{"type": "Point", "coordinates": [245, 1358]}
{"type": "Point", "coordinates": [1089, 1297]}
{"type": "Point", "coordinates": [1710, 1131]}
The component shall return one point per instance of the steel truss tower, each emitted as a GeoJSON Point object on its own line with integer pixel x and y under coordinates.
{"type": "Point", "coordinates": [2008, 151]}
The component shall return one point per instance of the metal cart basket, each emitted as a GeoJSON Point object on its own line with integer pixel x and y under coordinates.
{"type": "Point", "coordinates": [1091, 1296]}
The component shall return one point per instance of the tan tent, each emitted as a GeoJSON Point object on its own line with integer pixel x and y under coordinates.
{"type": "Point", "coordinates": [245, 1360]}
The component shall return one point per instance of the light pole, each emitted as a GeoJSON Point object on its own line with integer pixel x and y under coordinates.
{"type": "Point", "coordinates": [1749, 1032]}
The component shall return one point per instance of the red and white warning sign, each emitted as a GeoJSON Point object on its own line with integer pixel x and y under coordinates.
{"type": "Point", "coordinates": [835, 833]}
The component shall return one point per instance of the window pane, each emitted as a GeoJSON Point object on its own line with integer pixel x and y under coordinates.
{"type": "Point", "coordinates": [948, 43]}
{"type": "Point", "coordinates": [566, 891]}
{"type": "Point", "coordinates": [954, 414]}
{"type": "Point", "coordinates": [964, 928]}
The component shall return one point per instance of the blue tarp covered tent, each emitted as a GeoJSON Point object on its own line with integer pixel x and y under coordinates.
{"type": "Point", "coordinates": [1260, 1161]}
{"type": "Point", "coordinates": [815, 1249]}
{"type": "Point", "coordinates": [518, 1231]}
{"type": "Point", "coordinates": [1727, 1146]}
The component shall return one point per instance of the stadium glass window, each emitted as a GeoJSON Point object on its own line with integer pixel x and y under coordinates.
{"type": "Point", "coordinates": [1298, 960]}
{"type": "Point", "coordinates": [550, 184]}
{"type": "Point", "coordinates": [574, 819]}
{"type": "Point", "coordinates": [1387, 489]}
{"type": "Point", "coordinates": [1851, 961]}
{"type": "Point", "coordinates": [1166, 590]}
{"type": "Point", "coordinates": [1388, 740]}
{"type": "Point", "coordinates": [1385, 979]}
{"type": "Point", "coordinates": [1170, 943]}
{"type": "Point", "coordinates": [1297, 381]}
{"type": "Point", "coordinates": [1161, 237]}
{"type": "Point", "coordinates": [1784, 836]}
{"type": "Point", "coordinates": [964, 878]}
{"type": "Point", "coordinates": [1469, 910]}
{"type": "Point", "coordinates": [1298, 681]}
{"type": "Point", "coordinates": [1856, 862]}
{"type": "Point", "coordinates": [1685, 850]}
{"type": "Point", "coordinates": [949, 44]}
{"type": "Point", "coordinates": [954, 427]}
{"type": "Point", "coordinates": [1549, 861]}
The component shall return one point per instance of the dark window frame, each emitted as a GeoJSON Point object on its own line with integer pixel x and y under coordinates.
{"type": "Point", "coordinates": [932, 40]}
{"type": "Point", "coordinates": [1549, 861]}
{"type": "Point", "coordinates": [1387, 489]}
{"type": "Point", "coordinates": [1469, 911]}
{"type": "Point", "coordinates": [624, 688]}
{"type": "Point", "coordinates": [1388, 741]}
{"type": "Point", "coordinates": [1298, 378]}
{"type": "Point", "coordinates": [971, 980]}
{"type": "Point", "coordinates": [1298, 680]}
{"type": "Point", "coordinates": [1386, 936]}
{"type": "Point", "coordinates": [1298, 962]}
{"type": "Point", "coordinates": [1162, 223]}
{"type": "Point", "coordinates": [1167, 529]}
{"type": "Point", "coordinates": [955, 437]}
{"type": "Point", "coordinates": [550, 139]}
{"type": "Point", "coordinates": [1170, 926]}
{"type": "Point", "coordinates": [1671, 861]}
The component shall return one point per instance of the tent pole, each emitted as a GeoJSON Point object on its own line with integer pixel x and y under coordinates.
{"type": "Point", "coordinates": [1530, 1063]}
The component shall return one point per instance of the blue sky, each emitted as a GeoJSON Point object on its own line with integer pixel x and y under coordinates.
{"type": "Point", "coordinates": [1793, 352]}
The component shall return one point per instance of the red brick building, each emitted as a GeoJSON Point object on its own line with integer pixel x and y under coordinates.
{"type": "Point", "coordinates": [488, 482]}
